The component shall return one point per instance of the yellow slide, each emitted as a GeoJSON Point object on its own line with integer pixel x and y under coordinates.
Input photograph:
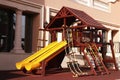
{"type": "Point", "coordinates": [20, 65]}
{"type": "Point", "coordinates": [36, 63]}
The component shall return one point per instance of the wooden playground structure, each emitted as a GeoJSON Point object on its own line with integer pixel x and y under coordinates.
{"type": "Point", "coordinates": [84, 33]}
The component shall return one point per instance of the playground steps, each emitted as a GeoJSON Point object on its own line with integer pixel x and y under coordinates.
{"type": "Point", "coordinates": [97, 65]}
{"type": "Point", "coordinates": [98, 59]}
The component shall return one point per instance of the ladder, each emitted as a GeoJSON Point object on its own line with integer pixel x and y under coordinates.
{"type": "Point", "coordinates": [98, 61]}
{"type": "Point", "coordinates": [41, 41]}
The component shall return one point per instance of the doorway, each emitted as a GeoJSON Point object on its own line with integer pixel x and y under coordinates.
{"type": "Point", "coordinates": [7, 30]}
{"type": "Point", "coordinates": [27, 39]}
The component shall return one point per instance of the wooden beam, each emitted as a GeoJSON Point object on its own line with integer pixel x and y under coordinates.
{"type": "Point", "coordinates": [64, 16]}
{"type": "Point", "coordinates": [72, 27]}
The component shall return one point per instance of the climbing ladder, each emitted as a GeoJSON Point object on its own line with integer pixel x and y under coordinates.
{"type": "Point", "coordinates": [91, 55]}
{"type": "Point", "coordinates": [98, 61]}
{"type": "Point", "coordinates": [41, 39]}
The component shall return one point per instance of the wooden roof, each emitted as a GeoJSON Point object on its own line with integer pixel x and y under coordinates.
{"type": "Point", "coordinates": [70, 15]}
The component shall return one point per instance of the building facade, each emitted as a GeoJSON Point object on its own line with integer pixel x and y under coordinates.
{"type": "Point", "coordinates": [20, 21]}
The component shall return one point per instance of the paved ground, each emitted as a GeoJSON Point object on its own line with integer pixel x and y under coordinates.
{"type": "Point", "coordinates": [19, 75]}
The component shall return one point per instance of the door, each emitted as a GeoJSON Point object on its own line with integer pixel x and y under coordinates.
{"type": "Point", "coordinates": [6, 30]}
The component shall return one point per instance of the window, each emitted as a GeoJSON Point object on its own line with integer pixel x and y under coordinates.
{"type": "Point", "coordinates": [98, 4]}
{"type": "Point", "coordinates": [82, 1]}
{"type": "Point", "coordinates": [101, 5]}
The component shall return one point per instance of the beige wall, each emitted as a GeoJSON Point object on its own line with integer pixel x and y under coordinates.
{"type": "Point", "coordinates": [37, 1]}
{"type": "Point", "coordinates": [115, 13]}
{"type": "Point", "coordinates": [109, 17]}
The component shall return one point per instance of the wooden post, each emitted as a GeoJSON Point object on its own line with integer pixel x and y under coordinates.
{"type": "Point", "coordinates": [113, 54]}
{"type": "Point", "coordinates": [43, 68]}
{"type": "Point", "coordinates": [53, 36]}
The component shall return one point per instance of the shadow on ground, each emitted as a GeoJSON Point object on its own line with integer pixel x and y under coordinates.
{"type": "Point", "coordinates": [5, 75]}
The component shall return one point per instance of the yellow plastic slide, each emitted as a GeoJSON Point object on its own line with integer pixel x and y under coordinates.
{"type": "Point", "coordinates": [20, 65]}
{"type": "Point", "coordinates": [36, 63]}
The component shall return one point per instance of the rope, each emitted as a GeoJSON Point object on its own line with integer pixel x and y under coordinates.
{"type": "Point", "coordinates": [72, 64]}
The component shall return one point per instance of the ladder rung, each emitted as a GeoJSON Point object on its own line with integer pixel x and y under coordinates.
{"type": "Point", "coordinates": [40, 46]}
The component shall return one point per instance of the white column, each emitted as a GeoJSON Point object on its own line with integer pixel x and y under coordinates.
{"type": "Point", "coordinates": [109, 37]}
{"type": "Point", "coordinates": [18, 33]}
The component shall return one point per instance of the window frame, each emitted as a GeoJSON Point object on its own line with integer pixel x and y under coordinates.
{"type": "Point", "coordinates": [96, 5]}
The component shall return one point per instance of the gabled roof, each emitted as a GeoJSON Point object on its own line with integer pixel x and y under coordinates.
{"type": "Point", "coordinates": [71, 15]}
